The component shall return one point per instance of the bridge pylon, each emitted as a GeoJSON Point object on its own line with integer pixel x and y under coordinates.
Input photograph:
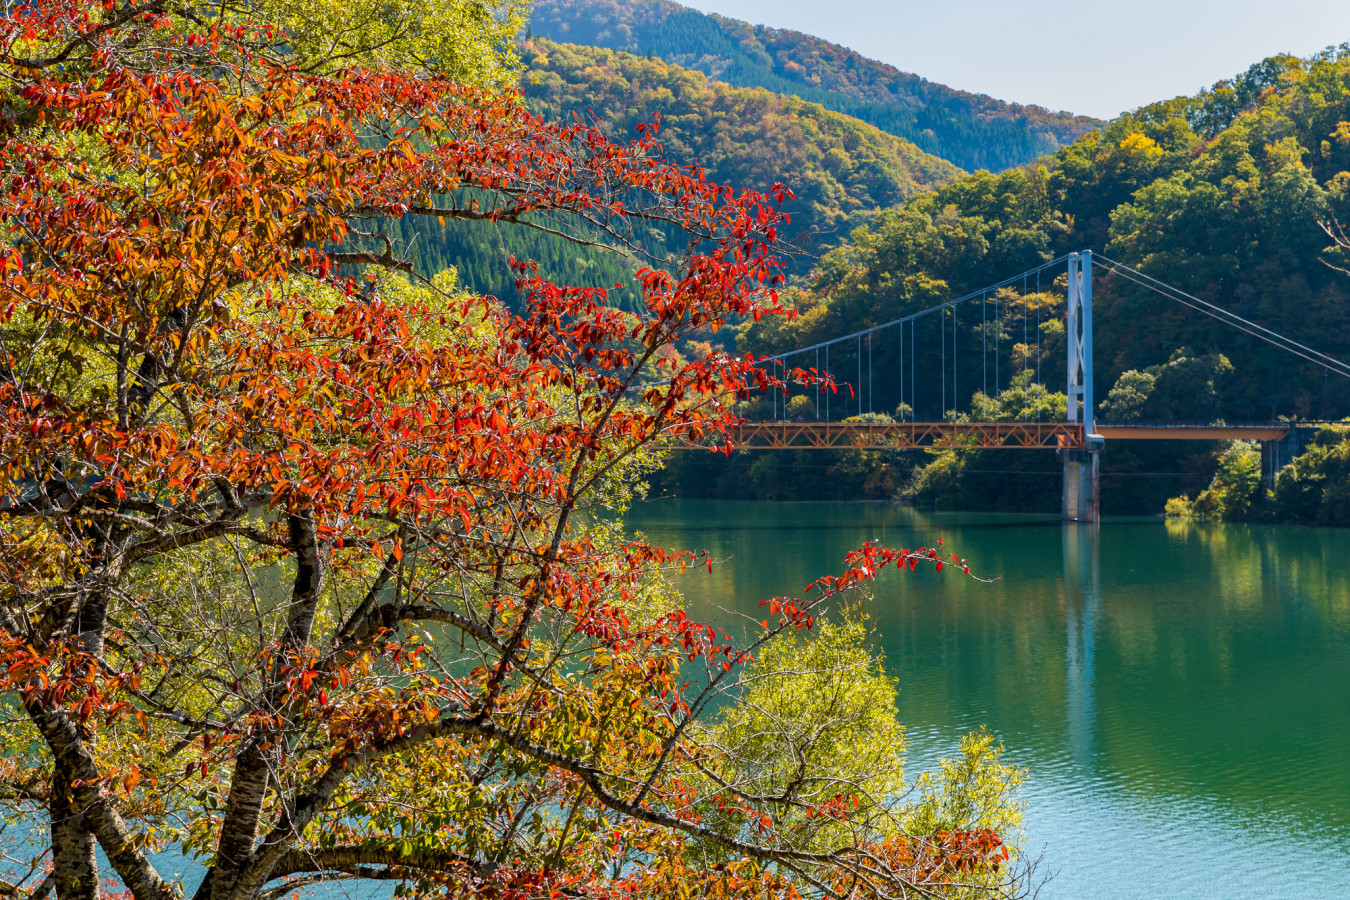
{"type": "Point", "coordinates": [1082, 467]}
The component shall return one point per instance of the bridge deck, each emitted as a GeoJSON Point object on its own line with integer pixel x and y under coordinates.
{"type": "Point", "coordinates": [1003, 435]}
{"type": "Point", "coordinates": [1188, 432]}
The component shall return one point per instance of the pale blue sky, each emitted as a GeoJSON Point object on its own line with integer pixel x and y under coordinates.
{"type": "Point", "coordinates": [1092, 58]}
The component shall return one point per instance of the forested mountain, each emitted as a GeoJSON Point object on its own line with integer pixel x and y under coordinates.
{"type": "Point", "coordinates": [1219, 197]}
{"type": "Point", "coordinates": [842, 171]}
{"type": "Point", "coordinates": [1219, 194]}
{"type": "Point", "coordinates": [974, 131]}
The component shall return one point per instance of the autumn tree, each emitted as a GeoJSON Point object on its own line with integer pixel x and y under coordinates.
{"type": "Point", "coordinates": [297, 572]}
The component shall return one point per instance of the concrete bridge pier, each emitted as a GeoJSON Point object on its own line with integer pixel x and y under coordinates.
{"type": "Point", "coordinates": [1082, 481]}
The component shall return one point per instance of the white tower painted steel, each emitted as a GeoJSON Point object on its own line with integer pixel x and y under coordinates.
{"type": "Point", "coordinates": [1080, 341]}
{"type": "Point", "coordinates": [1082, 468]}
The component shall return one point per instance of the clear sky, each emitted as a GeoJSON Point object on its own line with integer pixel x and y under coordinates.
{"type": "Point", "coordinates": [1097, 59]}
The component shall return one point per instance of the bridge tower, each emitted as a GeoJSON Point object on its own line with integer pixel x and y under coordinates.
{"type": "Point", "coordinates": [1082, 468]}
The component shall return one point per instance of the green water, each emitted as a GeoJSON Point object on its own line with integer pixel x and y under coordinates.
{"type": "Point", "coordinates": [1180, 694]}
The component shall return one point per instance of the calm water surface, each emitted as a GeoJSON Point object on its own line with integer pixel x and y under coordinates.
{"type": "Point", "coordinates": [1180, 694]}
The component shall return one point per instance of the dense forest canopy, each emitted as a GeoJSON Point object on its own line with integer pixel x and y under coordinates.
{"type": "Point", "coordinates": [1222, 194]}
{"type": "Point", "coordinates": [974, 131]}
{"type": "Point", "coordinates": [842, 171]}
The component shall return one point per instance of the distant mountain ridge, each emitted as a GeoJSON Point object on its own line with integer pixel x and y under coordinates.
{"type": "Point", "coordinates": [842, 171]}
{"type": "Point", "coordinates": [973, 131]}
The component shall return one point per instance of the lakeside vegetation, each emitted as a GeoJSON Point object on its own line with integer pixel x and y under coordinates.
{"type": "Point", "coordinates": [1314, 489]}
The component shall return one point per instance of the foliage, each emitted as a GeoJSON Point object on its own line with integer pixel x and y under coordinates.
{"type": "Point", "coordinates": [971, 130]}
{"type": "Point", "coordinates": [838, 474]}
{"type": "Point", "coordinates": [1315, 488]}
{"type": "Point", "coordinates": [1178, 508]}
{"type": "Point", "coordinates": [1023, 333]}
{"type": "Point", "coordinates": [969, 792]}
{"type": "Point", "coordinates": [1185, 388]}
{"type": "Point", "coordinates": [1235, 491]}
{"type": "Point", "coordinates": [818, 712]}
{"type": "Point", "coordinates": [842, 170]}
{"type": "Point", "coordinates": [957, 478]}
{"type": "Point", "coordinates": [1223, 202]}
{"type": "Point", "coordinates": [469, 41]}
{"type": "Point", "coordinates": [296, 576]}
{"type": "Point", "coordinates": [1230, 218]}
{"type": "Point", "coordinates": [1128, 397]}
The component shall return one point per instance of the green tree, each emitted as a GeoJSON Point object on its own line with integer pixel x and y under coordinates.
{"type": "Point", "coordinates": [1128, 398]}
{"type": "Point", "coordinates": [1235, 492]}
{"type": "Point", "coordinates": [1185, 388]}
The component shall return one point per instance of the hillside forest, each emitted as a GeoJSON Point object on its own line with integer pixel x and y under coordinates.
{"type": "Point", "coordinates": [843, 171]}
{"type": "Point", "coordinates": [1220, 194]}
{"type": "Point", "coordinates": [973, 131]}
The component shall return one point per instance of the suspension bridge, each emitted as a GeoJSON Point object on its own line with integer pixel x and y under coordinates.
{"type": "Point", "coordinates": [973, 343]}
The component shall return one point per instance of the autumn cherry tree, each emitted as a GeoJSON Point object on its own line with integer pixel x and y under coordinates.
{"type": "Point", "coordinates": [298, 573]}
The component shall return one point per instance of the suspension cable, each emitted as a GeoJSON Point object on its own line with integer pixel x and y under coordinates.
{"type": "Point", "coordinates": [984, 341]}
{"type": "Point", "coordinates": [942, 339]}
{"type": "Point", "coordinates": [1287, 344]}
{"type": "Point", "coordinates": [923, 312]}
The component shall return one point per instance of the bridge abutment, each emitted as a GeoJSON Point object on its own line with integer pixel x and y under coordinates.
{"type": "Point", "coordinates": [1276, 454]}
{"type": "Point", "coordinates": [1082, 499]}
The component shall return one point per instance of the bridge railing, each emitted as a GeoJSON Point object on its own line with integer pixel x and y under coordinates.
{"type": "Point", "coordinates": [907, 435]}
{"type": "Point", "coordinates": [780, 435]}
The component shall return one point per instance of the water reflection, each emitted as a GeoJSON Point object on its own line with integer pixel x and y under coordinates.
{"type": "Point", "coordinates": [1180, 693]}
{"type": "Point", "coordinates": [1082, 588]}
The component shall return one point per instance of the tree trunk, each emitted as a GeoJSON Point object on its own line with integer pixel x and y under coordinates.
{"type": "Point", "coordinates": [75, 867]}
{"type": "Point", "coordinates": [248, 787]}
{"type": "Point", "coordinates": [239, 833]}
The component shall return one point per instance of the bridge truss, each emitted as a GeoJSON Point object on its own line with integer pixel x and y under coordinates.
{"type": "Point", "coordinates": [983, 435]}
{"type": "Point", "coordinates": [978, 348]}
{"type": "Point", "coordinates": [907, 435]}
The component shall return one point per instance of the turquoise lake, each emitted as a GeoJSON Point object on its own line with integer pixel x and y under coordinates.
{"type": "Point", "coordinates": [1179, 693]}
